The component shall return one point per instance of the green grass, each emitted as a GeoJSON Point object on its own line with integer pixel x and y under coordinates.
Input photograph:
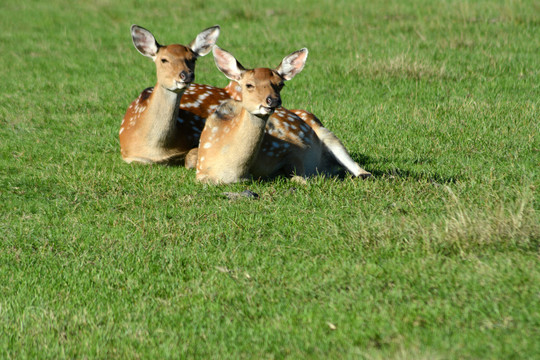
{"type": "Point", "coordinates": [436, 257]}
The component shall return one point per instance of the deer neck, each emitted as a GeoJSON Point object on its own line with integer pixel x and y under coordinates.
{"type": "Point", "coordinates": [162, 113]}
{"type": "Point", "coordinates": [249, 134]}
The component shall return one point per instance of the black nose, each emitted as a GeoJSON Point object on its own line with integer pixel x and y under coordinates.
{"type": "Point", "coordinates": [273, 102]}
{"type": "Point", "coordinates": [187, 76]}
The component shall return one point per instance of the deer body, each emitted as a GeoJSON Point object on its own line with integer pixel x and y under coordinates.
{"type": "Point", "coordinates": [294, 142]}
{"type": "Point", "coordinates": [154, 128]}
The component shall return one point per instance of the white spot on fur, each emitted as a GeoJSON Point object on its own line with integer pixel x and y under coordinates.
{"type": "Point", "coordinates": [121, 129]}
{"type": "Point", "coordinates": [204, 96]}
{"type": "Point", "coordinates": [207, 145]}
{"type": "Point", "coordinates": [192, 104]}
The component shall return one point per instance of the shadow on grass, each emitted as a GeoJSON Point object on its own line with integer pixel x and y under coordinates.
{"type": "Point", "coordinates": [365, 161]}
{"type": "Point", "coordinates": [392, 173]}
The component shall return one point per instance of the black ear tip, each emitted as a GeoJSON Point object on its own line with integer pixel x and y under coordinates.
{"type": "Point", "coordinates": [302, 51]}
{"type": "Point", "coordinates": [211, 29]}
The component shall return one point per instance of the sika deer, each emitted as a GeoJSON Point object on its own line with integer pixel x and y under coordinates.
{"type": "Point", "coordinates": [240, 140]}
{"type": "Point", "coordinates": [154, 129]}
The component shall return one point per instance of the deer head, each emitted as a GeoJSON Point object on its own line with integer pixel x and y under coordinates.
{"type": "Point", "coordinates": [175, 64]}
{"type": "Point", "coordinates": [260, 87]}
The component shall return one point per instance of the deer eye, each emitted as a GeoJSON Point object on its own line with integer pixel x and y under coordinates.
{"type": "Point", "coordinates": [250, 86]}
{"type": "Point", "coordinates": [164, 61]}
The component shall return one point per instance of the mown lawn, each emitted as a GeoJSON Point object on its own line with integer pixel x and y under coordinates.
{"type": "Point", "coordinates": [435, 257]}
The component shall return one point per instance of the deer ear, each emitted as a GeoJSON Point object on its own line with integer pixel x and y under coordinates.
{"type": "Point", "coordinates": [144, 41]}
{"type": "Point", "coordinates": [204, 42]}
{"type": "Point", "coordinates": [227, 64]}
{"type": "Point", "coordinates": [292, 64]}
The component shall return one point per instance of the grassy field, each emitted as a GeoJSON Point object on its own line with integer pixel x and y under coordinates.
{"type": "Point", "coordinates": [435, 257]}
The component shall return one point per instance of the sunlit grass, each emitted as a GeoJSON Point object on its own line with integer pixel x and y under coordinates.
{"type": "Point", "coordinates": [435, 257]}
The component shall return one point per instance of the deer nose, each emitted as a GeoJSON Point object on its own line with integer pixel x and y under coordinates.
{"type": "Point", "coordinates": [273, 102]}
{"type": "Point", "coordinates": [187, 76]}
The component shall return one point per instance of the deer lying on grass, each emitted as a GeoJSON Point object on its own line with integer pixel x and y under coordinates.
{"type": "Point", "coordinates": [239, 140]}
{"type": "Point", "coordinates": [153, 128]}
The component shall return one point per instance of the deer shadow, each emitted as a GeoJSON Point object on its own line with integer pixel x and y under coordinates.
{"type": "Point", "coordinates": [367, 163]}
{"type": "Point", "coordinates": [392, 173]}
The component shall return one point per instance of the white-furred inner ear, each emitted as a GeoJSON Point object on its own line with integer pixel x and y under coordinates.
{"type": "Point", "coordinates": [204, 42]}
{"type": "Point", "coordinates": [227, 64]}
{"type": "Point", "coordinates": [292, 64]}
{"type": "Point", "coordinates": [144, 41]}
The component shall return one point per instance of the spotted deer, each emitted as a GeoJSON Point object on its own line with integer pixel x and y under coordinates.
{"type": "Point", "coordinates": [154, 128]}
{"type": "Point", "coordinates": [240, 139]}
